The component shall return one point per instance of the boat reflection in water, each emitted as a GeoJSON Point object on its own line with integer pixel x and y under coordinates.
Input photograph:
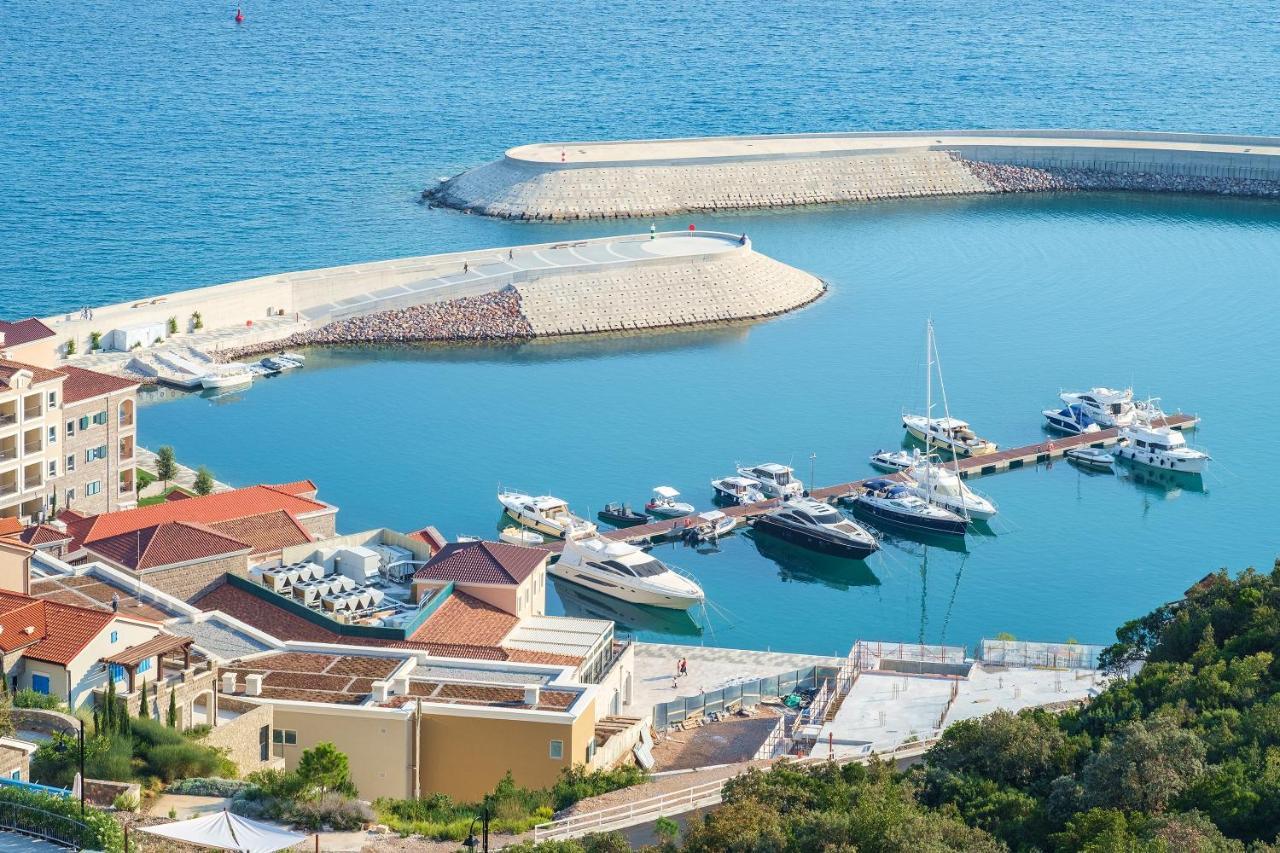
{"type": "Point", "coordinates": [1166, 484]}
{"type": "Point", "coordinates": [912, 541]}
{"type": "Point", "coordinates": [634, 618]}
{"type": "Point", "coordinates": [803, 565]}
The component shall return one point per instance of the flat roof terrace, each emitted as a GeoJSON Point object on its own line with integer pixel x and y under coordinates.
{"type": "Point", "coordinates": [342, 679]}
{"type": "Point", "coordinates": [635, 152]}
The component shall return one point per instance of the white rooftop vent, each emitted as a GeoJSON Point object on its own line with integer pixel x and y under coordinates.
{"type": "Point", "coordinates": [253, 684]}
{"type": "Point", "coordinates": [380, 691]}
{"type": "Point", "coordinates": [228, 682]}
{"type": "Point", "coordinates": [532, 695]}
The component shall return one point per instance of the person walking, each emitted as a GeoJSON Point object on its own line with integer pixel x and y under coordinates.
{"type": "Point", "coordinates": [653, 231]}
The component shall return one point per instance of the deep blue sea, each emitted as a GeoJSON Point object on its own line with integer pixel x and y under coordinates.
{"type": "Point", "coordinates": [154, 146]}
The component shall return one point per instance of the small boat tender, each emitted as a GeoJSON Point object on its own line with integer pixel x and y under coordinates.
{"type": "Point", "coordinates": [621, 515]}
{"type": "Point", "coordinates": [664, 504]}
{"type": "Point", "coordinates": [1091, 457]}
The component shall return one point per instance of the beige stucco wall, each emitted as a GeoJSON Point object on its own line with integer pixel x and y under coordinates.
{"type": "Point", "coordinates": [15, 567]}
{"type": "Point", "coordinates": [377, 744]}
{"type": "Point", "coordinates": [466, 756]}
{"type": "Point", "coordinates": [105, 471]}
{"type": "Point", "coordinates": [86, 671]}
{"type": "Point", "coordinates": [41, 353]}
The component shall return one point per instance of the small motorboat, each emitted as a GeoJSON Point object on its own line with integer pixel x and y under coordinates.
{"type": "Point", "coordinates": [623, 571]}
{"type": "Point", "coordinates": [1160, 447]}
{"type": "Point", "coordinates": [776, 481]}
{"type": "Point", "coordinates": [892, 460]}
{"type": "Point", "coordinates": [545, 514]}
{"type": "Point", "coordinates": [737, 491]}
{"type": "Point", "coordinates": [950, 434]}
{"type": "Point", "coordinates": [521, 536]}
{"type": "Point", "coordinates": [893, 503]}
{"type": "Point", "coordinates": [664, 504]}
{"type": "Point", "coordinates": [1092, 458]}
{"type": "Point", "coordinates": [708, 527]}
{"type": "Point", "coordinates": [1072, 419]}
{"type": "Point", "coordinates": [621, 515]}
{"type": "Point", "coordinates": [233, 377]}
{"type": "Point", "coordinates": [819, 527]}
{"type": "Point", "coordinates": [280, 363]}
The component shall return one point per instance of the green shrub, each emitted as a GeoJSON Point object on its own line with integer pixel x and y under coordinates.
{"type": "Point", "coordinates": [333, 811]}
{"type": "Point", "coordinates": [29, 698]}
{"type": "Point", "coordinates": [578, 783]}
{"type": "Point", "coordinates": [173, 325]}
{"type": "Point", "coordinates": [205, 787]}
{"type": "Point", "coordinates": [125, 802]}
{"type": "Point", "coordinates": [148, 732]}
{"type": "Point", "coordinates": [71, 346]}
{"type": "Point", "coordinates": [172, 761]}
{"type": "Point", "coordinates": [100, 831]}
{"type": "Point", "coordinates": [95, 340]}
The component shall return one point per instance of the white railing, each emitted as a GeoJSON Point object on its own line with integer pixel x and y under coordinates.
{"type": "Point", "coordinates": [777, 743]}
{"type": "Point", "coordinates": [701, 796]}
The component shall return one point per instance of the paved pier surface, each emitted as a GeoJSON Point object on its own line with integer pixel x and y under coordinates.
{"type": "Point", "coordinates": [590, 180]}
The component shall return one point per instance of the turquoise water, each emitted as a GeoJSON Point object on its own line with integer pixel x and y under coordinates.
{"type": "Point", "coordinates": [158, 146]}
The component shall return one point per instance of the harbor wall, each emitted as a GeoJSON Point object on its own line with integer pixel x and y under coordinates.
{"type": "Point", "coordinates": [665, 177]}
{"type": "Point", "coordinates": [607, 284]}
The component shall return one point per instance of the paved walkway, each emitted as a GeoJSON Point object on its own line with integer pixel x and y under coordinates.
{"type": "Point", "coordinates": [206, 340]}
{"type": "Point", "coordinates": [11, 841]}
{"type": "Point", "coordinates": [186, 476]}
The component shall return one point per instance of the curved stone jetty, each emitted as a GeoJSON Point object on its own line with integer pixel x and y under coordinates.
{"type": "Point", "coordinates": [595, 180]}
{"type": "Point", "coordinates": [609, 284]}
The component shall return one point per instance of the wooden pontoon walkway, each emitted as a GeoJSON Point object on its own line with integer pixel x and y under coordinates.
{"type": "Point", "coordinates": [974, 466]}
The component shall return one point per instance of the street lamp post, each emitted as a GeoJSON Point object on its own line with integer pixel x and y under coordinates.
{"type": "Point", "coordinates": [82, 782]}
{"type": "Point", "coordinates": [483, 817]}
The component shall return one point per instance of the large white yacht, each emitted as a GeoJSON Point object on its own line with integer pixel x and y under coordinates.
{"type": "Point", "coordinates": [624, 571]}
{"type": "Point", "coordinates": [1109, 407]}
{"type": "Point", "coordinates": [738, 490]}
{"type": "Point", "coordinates": [931, 481]}
{"type": "Point", "coordinates": [818, 526]}
{"type": "Point", "coordinates": [776, 481]}
{"type": "Point", "coordinates": [1160, 447]}
{"type": "Point", "coordinates": [544, 513]}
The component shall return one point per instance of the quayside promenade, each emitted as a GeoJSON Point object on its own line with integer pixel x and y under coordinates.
{"type": "Point", "coordinates": [594, 180]}
{"type": "Point", "coordinates": [613, 284]}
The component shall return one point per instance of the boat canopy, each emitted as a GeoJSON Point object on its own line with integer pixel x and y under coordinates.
{"type": "Point", "coordinates": [713, 515]}
{"type": "Point", "coordinates": [665, 492]}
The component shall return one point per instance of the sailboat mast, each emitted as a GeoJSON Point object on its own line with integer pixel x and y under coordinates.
{"type": "Point", "coordinates": [946, 413]}
{"type": "Point", "coordinates": [928, 408]}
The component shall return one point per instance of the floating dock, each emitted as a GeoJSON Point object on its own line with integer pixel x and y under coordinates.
{"type": "Point", "coordinates": [970, 467]}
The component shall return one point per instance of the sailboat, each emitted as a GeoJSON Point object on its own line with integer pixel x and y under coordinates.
{"type": "Point", "coordinates": [915, 504]}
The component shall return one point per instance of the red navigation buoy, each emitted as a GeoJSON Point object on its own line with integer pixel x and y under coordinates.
{"type": "Point", "coordinates": [239, 17]}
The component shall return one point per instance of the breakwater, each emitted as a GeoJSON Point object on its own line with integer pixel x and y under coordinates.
{"type": "Point", "coordinates": [566, 181]}
{"type": "Point", "coordinates": [626, 283]}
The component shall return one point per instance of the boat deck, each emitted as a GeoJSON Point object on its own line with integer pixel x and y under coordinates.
{"type": "Point", "coordinates": [971, 467]}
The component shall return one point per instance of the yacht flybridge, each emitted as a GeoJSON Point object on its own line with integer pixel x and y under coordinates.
{"type": "Point", "coordinates": [776, 481]}
{"type": "Point", "coordinates": [545, 514]}
{"type": "Point", "coordinates": [1109, 407]}
{"type": "Point", "coordinates": [625, 572]}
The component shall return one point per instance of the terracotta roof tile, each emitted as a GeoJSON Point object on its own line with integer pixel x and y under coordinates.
{"type": "Point", "coordinates": [68, 629]}
{"type": "Point", "coordinates": [299, 488]}
{"type": "Point", "coordinates": [483, 562]}
{"type": "Point", "coordinates": [21, 332]}
{"type": "Point", "coordinates": [431, 536]}
{"type": "Point", "coordinates": [463, 619]}
{"type": "Point", "coordinates": [209, 509]}
{"type": "Point", "coordinates": [270, 531]}
{"type": "Point", "coordinates": [85, 591]}
{"type": "Point", "coordinates": [38, 374]}
{"type": "Point", "coordinates": [43, 534]}
{"type": "Point", "coordinates": [166, 544]}
{"type": "Point", "coordinates": [14, 625]}
{"type": "Point", "coordinates": [84, 384]}
{"type": "Point", "coordinates": [10, 525]}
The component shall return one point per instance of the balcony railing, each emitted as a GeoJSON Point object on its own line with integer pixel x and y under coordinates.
{"type": "Point", "coordinates": [8, 453]}
{"type": "Point", "coordinates": [32, 447]}
{"type": "Point", "coordinates": [8, 419]}
{"type": "Point", "coordinates": [32, 413]}
{"type": "Point", "coordinates": [8, 489]}
{"type": "Point", "coordinates": [29, 483]}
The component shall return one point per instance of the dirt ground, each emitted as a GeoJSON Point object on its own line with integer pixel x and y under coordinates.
{"type": "Point", "coordinates": [726, 742]}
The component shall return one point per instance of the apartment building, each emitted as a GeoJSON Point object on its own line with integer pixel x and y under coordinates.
{"type": "Point", "coordinates": [67, 440]}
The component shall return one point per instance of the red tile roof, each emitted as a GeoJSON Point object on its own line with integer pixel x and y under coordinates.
{"type": "Point", "coordinates": [10, 525]}
{"type": "Point", "coordinates": [84, 384]}
{"type": "Point", "coordinates": [270, 531]}
{"type": "Point", "coordinates": [300, 488]}
{"type": "Point", "coordinates": [167, 544]}
{"type": "Point", "coordinates": [464, 619]}
{"type": "Point", "coordinates": [206, 510]}
{"type": "Point", "coordinates": [431, 536]}
{"type": "Point", "coordinates": [483, 562]}
{"type": "Point", "coordinates": [68, 629]}
{"type": "Point", "coordinates": [22, 626]}
{"type": "Point", "coordinates": [38, 374]}
{"type": "Point", "coordinates": [24, 331]}
{"type": "Point", "coordinates": [43, 534]}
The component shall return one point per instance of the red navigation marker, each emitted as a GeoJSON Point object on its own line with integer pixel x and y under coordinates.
{"type": "Point", "coordinates": [239, 17]}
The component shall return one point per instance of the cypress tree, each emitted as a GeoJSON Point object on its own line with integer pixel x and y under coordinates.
{"type": "Point", "coordinates": [109, 705]}
{"type": "Point", "coordinates": [173, 710]}
{"type": "Point", "coordinates": [142, 703]}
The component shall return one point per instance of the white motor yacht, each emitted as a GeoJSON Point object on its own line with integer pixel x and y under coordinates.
{"type": "Point", "coordinates": [664, 504]}
{"type": "Point", "coordinates": [933, 482]}
{"type": "Point", "coordinates": [738, 490]}
{"type": "Point", "coordinates": [1111, 407]}
{"type": "Point", "coordinates": [776, 481]}
{"type": "Point", "coordinates": [893, 503]}
{"type": "Point", "coordinates": [545, 514]}
{"type": "Point", "coordinates": [1160, 447]}
{"type": "Point", "coordinates": [226, 376]}
{"type": "Point", "coordinates": [894, 460]}
{"type": "Point", "coordinates": [521, 536]}
{"type": "Point", "coordinates": [626, 572]}
{"type": "Point", "coordinates": [952, 434]}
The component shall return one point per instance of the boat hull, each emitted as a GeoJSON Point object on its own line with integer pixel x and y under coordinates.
{"type": "Point", "coordinates": [815, 541]}
{"type": "Point", "coordinates": [958, 448]}
{"type": "Point", "coordinates": [622, 520]}
{"type": "Point", "coordinates": [215, 383]}
{"type": "Point", "coordinates": [534, 524]}
{"type": "Point", "coordinates": [632, 595]}
{"type": "Point", "coordinates": [876, 513]}
{"type": "Point", "coordinates": [1137, 456]}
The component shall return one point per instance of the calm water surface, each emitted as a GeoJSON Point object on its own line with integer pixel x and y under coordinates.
{"type": "Point", "coordinates": [160, 146]}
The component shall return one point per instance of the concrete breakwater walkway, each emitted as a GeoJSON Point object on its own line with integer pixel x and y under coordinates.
{"type": "Point", "coordinates": [594, 180]}
{"type": "Point", "coordinates": [624, 283]}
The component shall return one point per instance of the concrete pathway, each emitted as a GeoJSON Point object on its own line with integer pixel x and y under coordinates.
{"type": "Point", "coordinates": [186, 476]}
{"type": "Point", "coordinates": [206, 340]}
{"type": "Point", "coordinates": [187, 806]}
{"type": "Point", "coordinates": [11, 841]}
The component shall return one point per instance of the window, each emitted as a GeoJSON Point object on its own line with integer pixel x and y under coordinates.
{"type": "Point", "coordinates": [84, 422]}
{"type": "Point", "coordinates": [16, 774]}
{"type": "Point", "coordinates": [145, 666]}
{"type": "Point", "coordinates": [53, 399]}
{"type": "Point", "coordinates": [115, 635]}
{"type": "Point", "coordinates": [53, 467]}
{"type": "Point", "coordinates": [40, 683]}
{"type": "Point", "coordinates": [557, 750]}
{"type": "Point", "coordinates": [93, 488]}
{"type": "Point", "coordinates": [117, 672]}
{"type": "Point", "coordinates": [71, 496]}
{"type": "Point", "coordinates": [53, 435]}
{"type": "Point", "coordinates": [71, 428]}
{"type": "Point", "coordinates": [264, 743]}
{"type": "Point", "coordinates": [71, 463]}
{"type": "Point", "coordinates": [288, 737]}
{"type": "Point", "coordinates": [100, 452]}
{"type": "Point", "coordinates": [100, 418]}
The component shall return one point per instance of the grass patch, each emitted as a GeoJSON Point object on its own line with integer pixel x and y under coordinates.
{"type": "Point", "coordinates": [161, 498]}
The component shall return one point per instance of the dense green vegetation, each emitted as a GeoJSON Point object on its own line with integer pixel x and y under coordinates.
{"type": "Point", "coordinates": [60, 817]}
{"type": "Point", "coordinates": [317, 793]}
{"type": "Point", "coordinates": [1183, 756]}
{"type": "Point", "coordinates": [512, 809]}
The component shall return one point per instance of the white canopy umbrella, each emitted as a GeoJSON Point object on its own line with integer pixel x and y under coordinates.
{"type": "Point", "coordinates": [226, 831]}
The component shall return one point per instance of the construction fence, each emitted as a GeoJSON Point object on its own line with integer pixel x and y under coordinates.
{"type": "Point", "coordinates": [1052, 655]}
{"type": "Point", "coordinates": [748, 693]}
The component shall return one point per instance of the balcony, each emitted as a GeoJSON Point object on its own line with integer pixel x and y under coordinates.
{"type": "Point", "coordinates": [126, 448]}
{"type": "Point", "coordinates": [30, 447]}
{"type": "Point", "coordinates": [126, 414]}
{"type": "Point", "coordinates": [8, 451]}
{"type": "Point", "coordinates": [32, 408]}
{"type": "Point", "coordinates": [8, 417]}
{"type": "Point", "coordinates": [8, 487]}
